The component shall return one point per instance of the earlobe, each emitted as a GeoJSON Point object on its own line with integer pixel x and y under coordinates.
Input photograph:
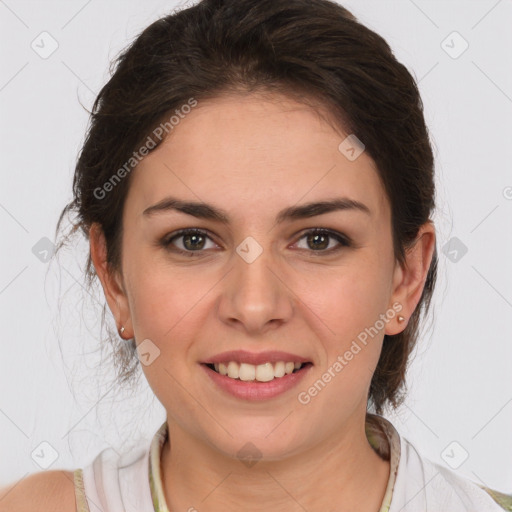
{"type": "Point", "coordinates": [110, 282]}
{"type": "Point", "coordinates": [409, 279]}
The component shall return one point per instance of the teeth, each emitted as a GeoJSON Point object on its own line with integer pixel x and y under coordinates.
{"type": "Point", "coordinates": [233, 370]}
{"type": "Point", "coordinates": [279, 370]}
{"type": "Point", "coordinates": [262, 372]}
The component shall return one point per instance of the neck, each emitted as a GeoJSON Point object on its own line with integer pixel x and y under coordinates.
{"type": "Point", "coordinates": [337, 473]}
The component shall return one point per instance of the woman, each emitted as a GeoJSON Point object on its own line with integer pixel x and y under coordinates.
{"type": "Point", "coordinates": [257, 188]}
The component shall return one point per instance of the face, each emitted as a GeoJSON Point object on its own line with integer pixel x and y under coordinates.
{"type": "Point", "coordinates": [254, 279]}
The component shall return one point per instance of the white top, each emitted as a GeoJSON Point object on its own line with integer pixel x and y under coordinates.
{"type": "Point", "coordinates": [132, 483]}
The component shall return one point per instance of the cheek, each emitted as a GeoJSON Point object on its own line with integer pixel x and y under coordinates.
{"type": "Point", "coordinates": [350, 301]}
{"type": "Point", "coordinates": [351, 298]}
{"type": "Point", "coordinates": [351, 337]}
{"type": "Point", "coordinates": [163, 297]}
{"type": "Point", "coordinates": [168, 308]}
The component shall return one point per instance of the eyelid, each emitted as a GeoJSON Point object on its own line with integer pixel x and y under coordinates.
{"type": "Point", "coordinates": [167, 240]}
{"type": "Point", "coordinates": [328, 231]}
{"type": "Point", "coordinates": [342, 239]}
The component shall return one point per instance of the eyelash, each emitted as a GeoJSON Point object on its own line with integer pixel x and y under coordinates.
{"type": "Point", "coordinates": [343, 240]}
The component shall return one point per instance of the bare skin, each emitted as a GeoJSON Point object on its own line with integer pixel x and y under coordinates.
{"type": "Point", "coordinates": [252, 157]}
{"type": "Point", "coordinates": [46, 491]}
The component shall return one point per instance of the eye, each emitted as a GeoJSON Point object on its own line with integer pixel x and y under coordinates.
{"type": "Point", "coordinates": [319, 239]}
{"type": "Point", "coordinates": [191, 240]}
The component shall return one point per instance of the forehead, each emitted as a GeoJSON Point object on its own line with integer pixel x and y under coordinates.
{"type": "Point", "coordinates": [255, 153]}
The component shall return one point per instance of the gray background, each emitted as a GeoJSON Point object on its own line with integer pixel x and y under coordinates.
{"type": "Point", "coordinates": [459, 409]}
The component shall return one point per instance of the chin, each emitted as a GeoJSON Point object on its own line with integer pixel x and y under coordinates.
{"type": "Point", "coordinates": [259, 440]}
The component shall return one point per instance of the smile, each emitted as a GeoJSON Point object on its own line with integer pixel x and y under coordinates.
{"type": "Point", "coordinates": [265, 372]}
{"type": "Point", "coordinates": [253, 389]}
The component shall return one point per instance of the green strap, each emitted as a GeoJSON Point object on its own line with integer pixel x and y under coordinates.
{"type": "Point", "coordinates": [502, 499]}
{"type": "Point", "coordinates": [81, 501]}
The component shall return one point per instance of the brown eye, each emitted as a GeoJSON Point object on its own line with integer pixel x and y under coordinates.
{"type": "Point", "coordinates": [319, 240]}
{"type": "Point", "coordinates": [190, 241]}
{"type": "Point", "coordinates": [187, 241]}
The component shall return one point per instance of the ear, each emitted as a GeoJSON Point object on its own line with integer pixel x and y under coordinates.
{"type": "Point", "coordinates": [111, 282]}
{"type": "Point", "coordinates": [409, 279]}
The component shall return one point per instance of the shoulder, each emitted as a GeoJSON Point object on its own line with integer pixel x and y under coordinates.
{"type": "Point", "coordinates": [423, 481]}
{"type": "Point", "coordinates": [52, 491]}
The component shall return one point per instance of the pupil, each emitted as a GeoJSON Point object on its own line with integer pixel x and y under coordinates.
{"type": "Point", "coordinates": [192, 237]}
{"type": "Point", "coordinates": [315, 238]}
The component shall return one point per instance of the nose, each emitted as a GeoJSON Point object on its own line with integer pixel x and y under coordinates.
{"type": "Point", "coordinates": [255, 296]}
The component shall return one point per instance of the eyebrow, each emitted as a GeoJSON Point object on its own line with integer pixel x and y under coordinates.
{"type": "Point", "coordinates": [205, 211]}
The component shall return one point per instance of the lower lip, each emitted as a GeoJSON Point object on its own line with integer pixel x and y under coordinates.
{"type": "Point", "coordinates": [255, 391]}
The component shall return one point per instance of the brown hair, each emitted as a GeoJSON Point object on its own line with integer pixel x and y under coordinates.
{"type": "Point", "coordinates": [314, 49]}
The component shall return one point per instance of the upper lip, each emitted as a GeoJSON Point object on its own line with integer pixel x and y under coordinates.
{"type": "Point", "coordinates": [255, 358]}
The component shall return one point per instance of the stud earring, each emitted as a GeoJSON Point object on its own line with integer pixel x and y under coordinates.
{"type": "Point", "coordinates": [401, 318]}
{"type": "Point", "coordinates": [121, 330]}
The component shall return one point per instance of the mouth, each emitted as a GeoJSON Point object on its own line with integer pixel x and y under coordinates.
{"type": "Point", "coordinates": [265, 372]}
